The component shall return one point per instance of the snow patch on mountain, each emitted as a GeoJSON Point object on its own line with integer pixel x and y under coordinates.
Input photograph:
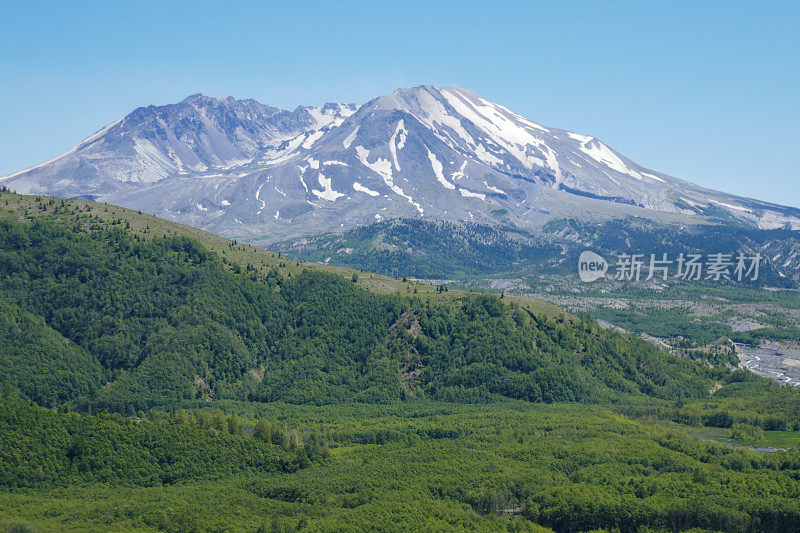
{"type": "Point", "coordinates": [437, 170]}
{"type": "Point", "coordinates": [459, 174]}
{"type": "Point", "coordinates": [350, 138]}
{"type": "Point", "coordinates": [603, 154]}
{"type": "Point", "coordinates": [360, 188]}
{"type": "Point", "coordinates": [732, 206]}
{"type": "Point", "coordinates": [486, 156]}
{"type": "Point", "coordinates": [653, 176]}
{"type": "Point", "coordinates": [494, 189]}
{"type": "Point", "coordinates": [312, 138]}
{"type": "Point", "coordinates": [327, 192]}
{"type": "Point", "coordinates": [395, 144]}
{"type": "Point", "coordinates": [469, 194]}
{"type": "Point", "coordinates": [258, 197]}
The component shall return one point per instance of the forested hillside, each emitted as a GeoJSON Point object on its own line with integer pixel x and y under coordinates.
{"type": "Point", "coordinates": [158, 321]}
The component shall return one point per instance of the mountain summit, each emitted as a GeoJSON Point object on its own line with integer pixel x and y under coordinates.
{"type": "Point", "coordinates": [248, 170]}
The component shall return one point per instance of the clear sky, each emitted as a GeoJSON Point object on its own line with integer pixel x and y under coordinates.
{"type": "Point", "coordinates": [705, 91]}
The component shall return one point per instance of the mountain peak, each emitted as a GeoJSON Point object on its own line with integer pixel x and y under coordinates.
{"type": "Point", "coordinates": [429, 88]}
{"type": "Point", "coordinates": [205, 100]}
{"type": "Point", "coordinates": [426, 99]}
{"type": "Point", "coordinates": [198, 98]}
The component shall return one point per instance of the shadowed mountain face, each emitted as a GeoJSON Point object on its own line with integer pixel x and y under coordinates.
{"type": "Point", "coordinates": [246, 170]}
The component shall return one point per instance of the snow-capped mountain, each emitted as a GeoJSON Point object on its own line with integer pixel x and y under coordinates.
{"type": "Point", "coordinates": [246, 170]}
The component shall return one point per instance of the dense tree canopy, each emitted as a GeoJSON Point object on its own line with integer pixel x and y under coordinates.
{"type": "Point", "coordinates": [161, 321]}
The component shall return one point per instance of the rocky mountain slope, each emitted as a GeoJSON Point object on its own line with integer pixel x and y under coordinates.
{"type": "Point", "coordinates": [246, 170]}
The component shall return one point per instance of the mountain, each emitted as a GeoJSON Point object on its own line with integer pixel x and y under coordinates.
{"type": "Point", "coordinates": [249, 171]}
{"type": "Point", "coordinates": [191, 138]}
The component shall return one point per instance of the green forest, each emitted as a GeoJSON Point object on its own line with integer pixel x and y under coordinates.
{"type": "Point", "coordinates": [131, 323]}
{"type": "Point", "coordinates": [154, 378]}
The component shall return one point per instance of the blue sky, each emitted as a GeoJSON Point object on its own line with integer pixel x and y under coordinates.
{"type": "Point", "coordinates": [704, 91]}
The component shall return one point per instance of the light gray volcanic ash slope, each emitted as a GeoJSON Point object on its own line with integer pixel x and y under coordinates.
{"type": "Point", "coordinates": [250, 171]}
